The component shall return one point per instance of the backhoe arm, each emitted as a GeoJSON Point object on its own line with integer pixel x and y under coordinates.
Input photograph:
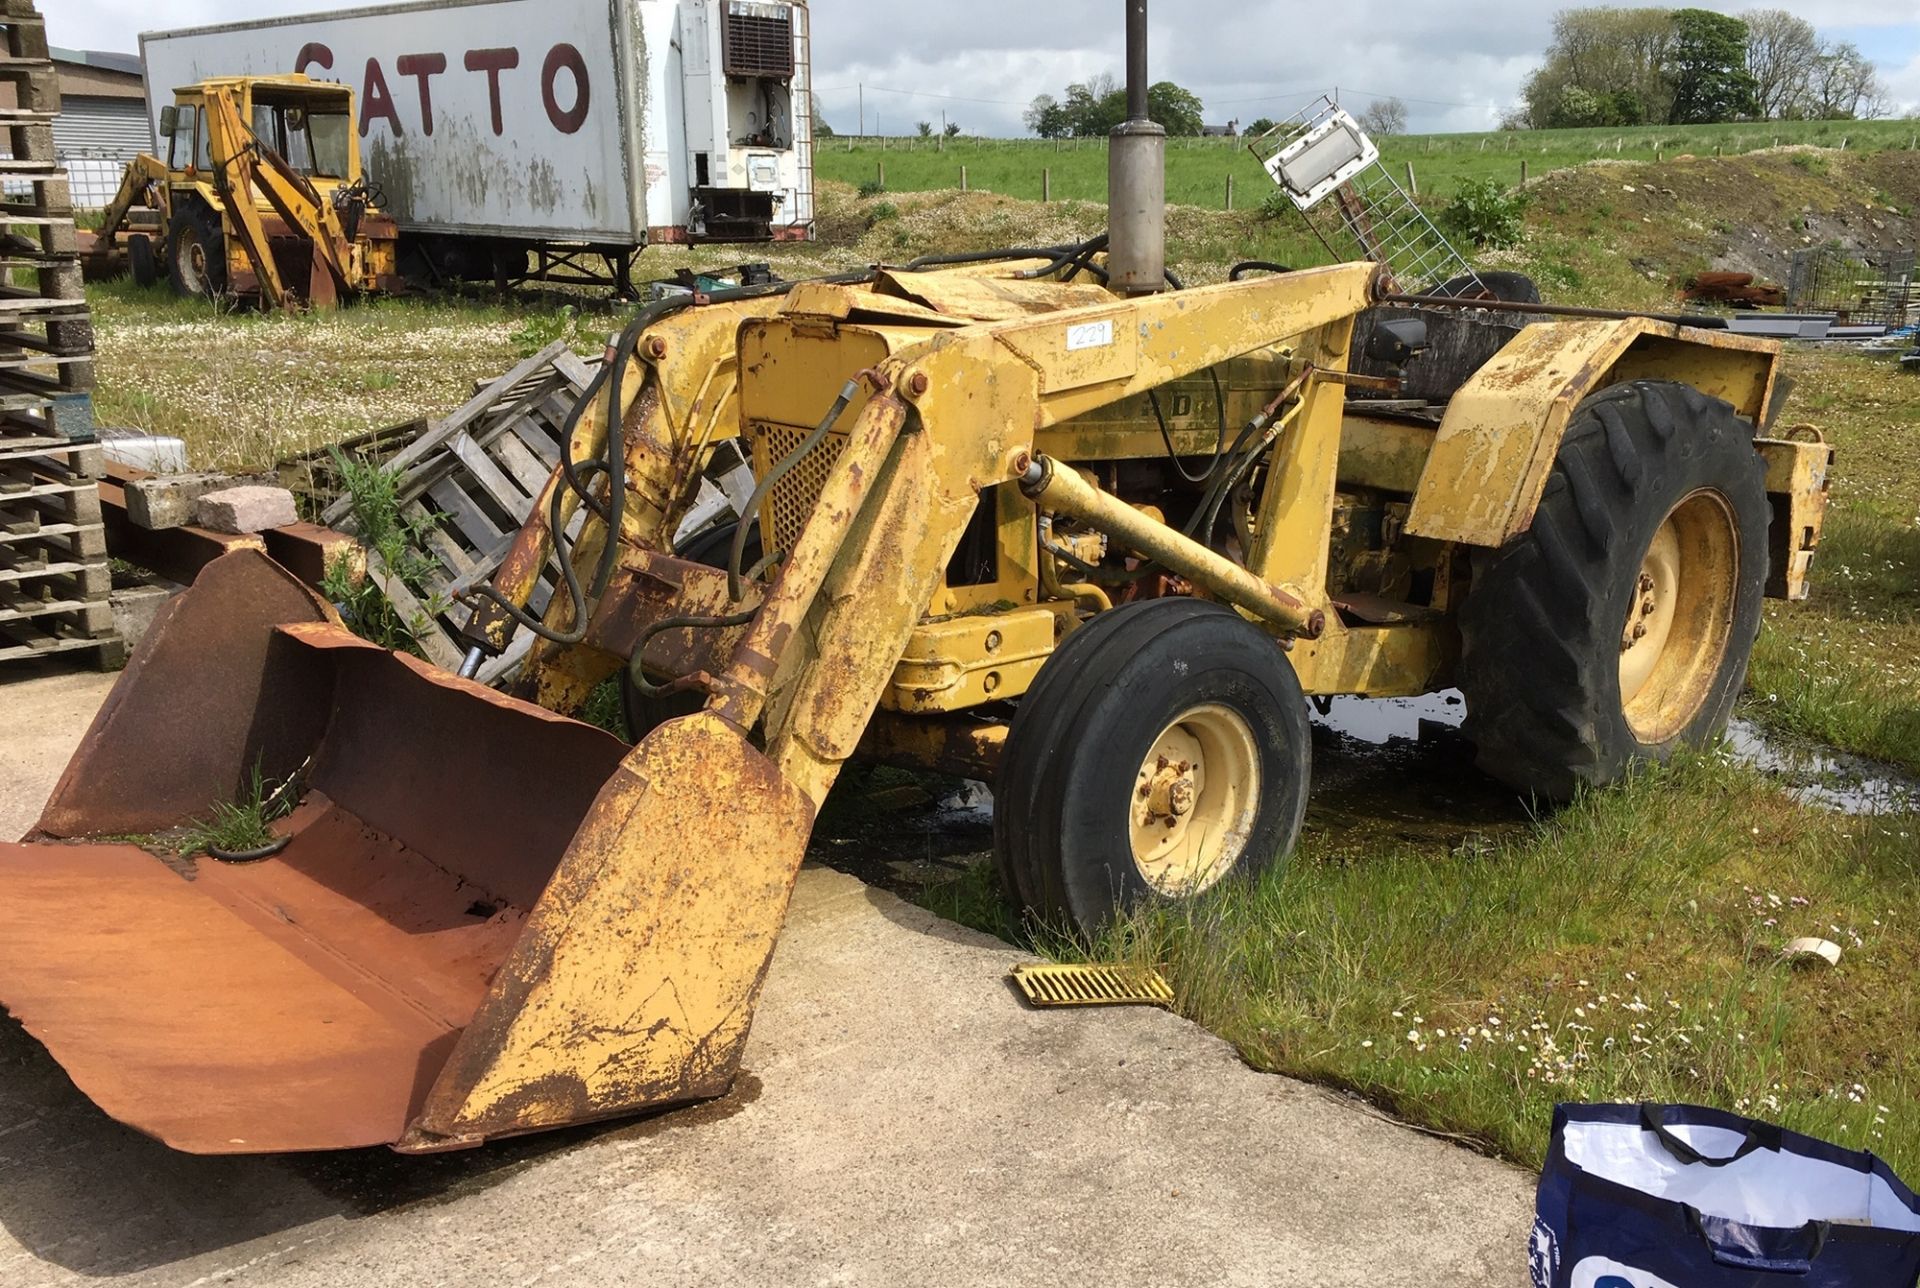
{"type": "Point", "coordinates": [234, 175]}
{"type": "Point", "coordinates": [141, 174]}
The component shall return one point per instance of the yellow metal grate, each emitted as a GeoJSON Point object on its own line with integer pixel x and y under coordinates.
{"type": "Point", "coordinates": [792, 501]}
{"type": "Point", "coordinates": [1092, 986]}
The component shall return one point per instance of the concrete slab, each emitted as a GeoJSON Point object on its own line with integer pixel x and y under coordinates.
{"type": "Point", "coordinates": [903, 1119]}
{"type": "Point", "coordinates": [45, 707]}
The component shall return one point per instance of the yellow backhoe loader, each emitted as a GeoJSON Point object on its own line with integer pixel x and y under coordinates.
{"type": "Point", "coordinates": [1035, 515]}
{"type": "Point", "coordinates": [261, 196]}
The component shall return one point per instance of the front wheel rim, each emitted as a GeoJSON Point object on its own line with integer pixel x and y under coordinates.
{"type": "Point", "coordinates": [1679, 621]}
{"type": "Point", "coordinates": [1194, 801]}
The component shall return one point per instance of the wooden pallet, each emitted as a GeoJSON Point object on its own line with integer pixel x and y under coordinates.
{"type": "Point", "coordinates": [470, 481]}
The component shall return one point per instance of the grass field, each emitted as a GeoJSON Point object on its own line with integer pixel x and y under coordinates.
{"type": "Point", "coordinates": [1197, 169]}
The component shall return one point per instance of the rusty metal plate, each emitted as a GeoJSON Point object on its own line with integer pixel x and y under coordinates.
{"type": "Point", "coordinates": [226, 1015]}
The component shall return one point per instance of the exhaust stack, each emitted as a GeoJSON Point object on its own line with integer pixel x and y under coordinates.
{"type": "Point", "coordinates": [1137, 178]}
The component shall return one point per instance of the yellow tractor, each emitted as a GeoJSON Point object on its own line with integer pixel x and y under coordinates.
{"type": "Point", "coordinates": [306, 229]}
{"type": "Point", "coordinates": [1034, 515]}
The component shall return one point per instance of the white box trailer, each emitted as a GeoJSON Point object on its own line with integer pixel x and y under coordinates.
{"type": "Point", "coordinates": [499, 127]}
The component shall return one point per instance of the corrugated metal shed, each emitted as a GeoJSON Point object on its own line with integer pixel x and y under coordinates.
{"type": "Point", "coordinates": [115, 128]}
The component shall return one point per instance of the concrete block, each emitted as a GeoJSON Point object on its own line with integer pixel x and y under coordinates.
{"type": "Point", "coordinates": [252, 508]}
{"type": "Point", "coordinates": [135, 607]}
{"type": "Point", "coordinates": [166, 500]}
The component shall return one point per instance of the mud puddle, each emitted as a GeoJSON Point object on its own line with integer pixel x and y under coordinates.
{"type": "Point", "coordinates": [1822, 777]}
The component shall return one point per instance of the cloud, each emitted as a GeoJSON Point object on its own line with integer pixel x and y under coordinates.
{"type": "Point", "coordinates": [1458, 65]}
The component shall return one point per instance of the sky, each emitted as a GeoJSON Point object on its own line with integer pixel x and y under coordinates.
{"type": "Point", "coordinates": [1458, 66]}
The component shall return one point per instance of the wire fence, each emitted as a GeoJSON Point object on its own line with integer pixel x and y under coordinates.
{"type": "Point", "coordinates": [1856, 286]}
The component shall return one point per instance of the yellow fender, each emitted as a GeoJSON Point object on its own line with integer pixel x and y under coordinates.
{"type": "Point", "coordinates": [1497, 444]}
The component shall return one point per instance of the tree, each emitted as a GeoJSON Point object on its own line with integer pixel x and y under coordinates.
{"type": "Point", "coordinates": [1091, 108]}
{"type": "Point", "coordinates": [1262, 126]}
{"type": "Point", "coordinates": [1046, 117]}
{"type": "Point", "coordinates": [1845, 85]}
{"type": "Point", "coordinates": [952, 130]}
{"type": "Point", "coordinates": [926, 129]}
{"type": "Point", "coordinates": [1176, 110]}
{"type": "Point", "coordinates": [1783, 51]}
{"type": "Point", "coordinates": [1708, 69]}
{"type": "Point", "coordinates": [1617, 56]}
{"type": "Point", "coordinates": [821, 130]}
{"type": "Point", "coordinates": [1384, 118]}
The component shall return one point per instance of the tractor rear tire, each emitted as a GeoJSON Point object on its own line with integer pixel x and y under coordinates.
{"type": "Point", "coordinates": [197, 254]}
{"type": "Point", "coordinates": [644, 712]}
{"type": "Point", "coordinates": [1165, 749]}
{"type": "Point", "coordinates": [1618, 627]}
{"type": "Point", "coordinates": [141, 262]}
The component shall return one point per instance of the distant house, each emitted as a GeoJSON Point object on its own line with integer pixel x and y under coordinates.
{"type": "Point", "coordinates": [103, 106]}
{"type": "Point", "coordinates": [1231, 130]}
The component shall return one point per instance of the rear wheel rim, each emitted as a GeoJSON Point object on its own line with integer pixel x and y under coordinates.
{"type": "Point", "coordinates": [1679, 623]}
{"type": "Point", "coordinates": [193, 265]}
{"type": "Point", "coordinates": [1195, 801]}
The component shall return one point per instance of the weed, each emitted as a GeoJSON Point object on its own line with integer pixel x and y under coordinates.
{"type": "Point", "coordinates": [379, 381]}
{"type": "Point", "coordinates": [394, 540]}
{"type": "Point", "coordinates": [880, 212]}
{"type": "Point", "coordinates": [872, 188]}
{"type": "Point", "coordinates": [538, 330]}
{"type": "Point", "coordinates": [1276, 205]}
{"type": "Point", "coordinates": [241, 825]}
{"type": "Point", "coordinates": [1488, 213]}
{"type": "Point", "coordinates": [605, 710]}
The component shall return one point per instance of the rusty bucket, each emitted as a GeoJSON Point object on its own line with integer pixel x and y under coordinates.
{"type": "Point", "coordinates": [487, 919]}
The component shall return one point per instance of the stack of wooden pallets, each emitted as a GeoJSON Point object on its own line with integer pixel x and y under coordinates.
{"type": "Point", "coordinates": [54, 577]}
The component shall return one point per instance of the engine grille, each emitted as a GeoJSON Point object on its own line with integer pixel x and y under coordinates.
{"type": "Point", "coordinates": [759, 39]}
{"type": "Point", "coordinates": [787, 507]}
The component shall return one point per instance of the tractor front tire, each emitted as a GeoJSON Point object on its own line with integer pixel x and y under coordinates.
{"type": "Point", "coordinates": [1618, 627]}
{"type": "Point", "coordinates": [1163, 750]}
{"type": "Point", "coordinates": [141, 262]}
{"type": "Point", "coordinates": [197, 254]}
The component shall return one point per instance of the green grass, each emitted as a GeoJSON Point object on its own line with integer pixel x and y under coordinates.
{"type": "Point", "coordinates": [1626, 948]}
{"type": "Point", "coordinates": [1843, 668]}
{"type": "Point", "coordinates": [1197, 169]}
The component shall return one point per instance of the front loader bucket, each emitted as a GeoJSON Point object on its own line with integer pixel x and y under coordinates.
{"type": "Point", "coordinates": [488, 919]}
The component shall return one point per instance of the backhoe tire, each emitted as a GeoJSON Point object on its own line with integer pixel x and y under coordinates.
{"type": "Point", "coordinates": [197, 254]}
{"type": "Point", "coordinates": [645, 713]}
{"type": "Point", "coordinates": [141, 263]}
{"type": "Point", "coordinates": [1619, 625]}
{"type": "Point", "coordinates": [1168, 751]}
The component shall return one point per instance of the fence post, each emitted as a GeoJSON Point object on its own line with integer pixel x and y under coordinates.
{"type": "Point", "coordinates": [1523, 172]}
{"type": "Point", "coordinates": [963, 178]}
{"type": "Point", "coordinates": [1046, 184]}
{"type": "Point", "coordinates": [881, 176]}
{"type": "Point", "coordinates": [1229, 194]}
{"type": "Point", "coordinates": [1413, 183]}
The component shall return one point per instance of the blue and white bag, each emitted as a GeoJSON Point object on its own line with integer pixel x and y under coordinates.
{"type": "Point", "coordinates": [1670, 1196]}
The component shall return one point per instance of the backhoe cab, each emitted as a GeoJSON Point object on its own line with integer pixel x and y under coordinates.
{"type": "Point", "coordinates": [260, 196]}
{"type": "Point", "coordinates": [1034, 516]}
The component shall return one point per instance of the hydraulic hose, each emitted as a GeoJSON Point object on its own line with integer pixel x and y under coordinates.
{"type": "Point", "coordinates": [610, 380]}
